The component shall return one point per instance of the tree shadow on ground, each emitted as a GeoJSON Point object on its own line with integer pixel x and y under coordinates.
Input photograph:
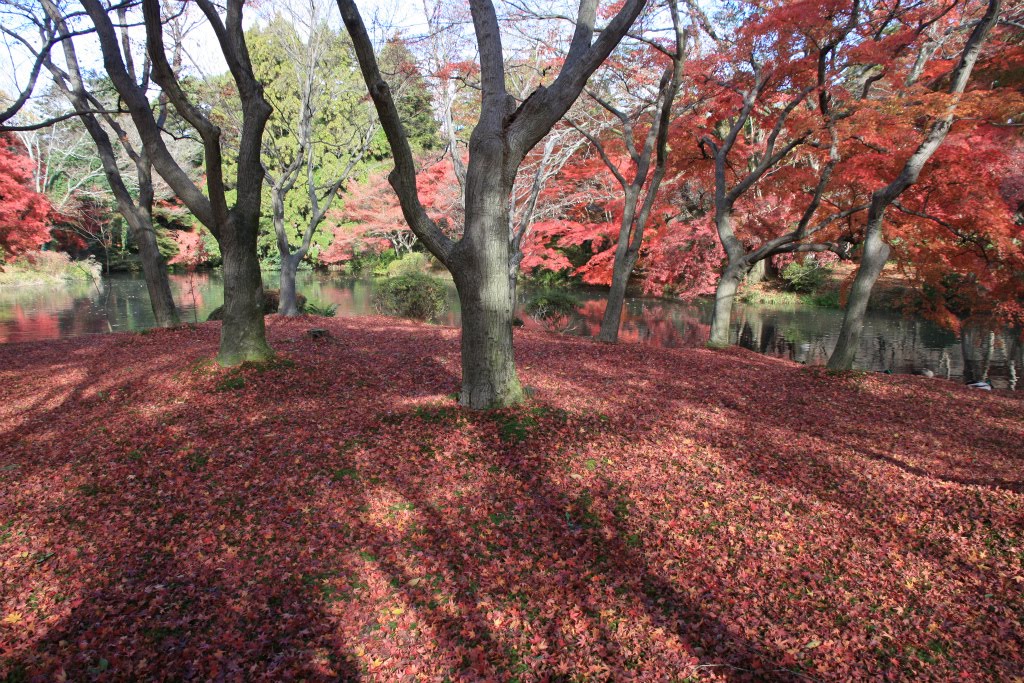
{"type": "Point", "coordinates": [338, 516]}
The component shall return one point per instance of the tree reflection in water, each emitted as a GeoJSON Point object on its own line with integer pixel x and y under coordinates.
{"type": "Point", "coordinates": [804, 334]}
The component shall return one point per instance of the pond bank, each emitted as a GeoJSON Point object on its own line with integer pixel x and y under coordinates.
{"type": "Point", "coordinates": [891, 342]}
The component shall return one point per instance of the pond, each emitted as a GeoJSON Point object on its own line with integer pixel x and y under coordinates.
{"type": "Point", "coordinates": [806, 334]}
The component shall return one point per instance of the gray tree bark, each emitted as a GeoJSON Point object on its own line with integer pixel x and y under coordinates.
{"type": "Point", "coordinates": [725, 296]}
{"type": "Point", "coordinates": [243, 335]}
{"type": "Point", "coordinates": [873, 258]}
{"type": "Point", "coordinates": [288, 304]}
{"type": "Point", "coordinates": [504, 134]}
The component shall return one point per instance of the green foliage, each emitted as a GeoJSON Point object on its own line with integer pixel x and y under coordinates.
{"type": "Point", "coordinates": [806, 276]}
{"type": "Point", "coordinates": [544, 304]}
{"type": "Point", "coordinates": [398, 66]}
{"type": "Point", "coordinates": [321, 308]}
{"type": "Point", "coordinates": [413, 263]}
{"type": "Point", "coordinates": [367, 261]}
{"type": "Point", "coordinates": [165, 244]}
{"type": "Point", "coordinates": [551, 279]}
{"type": "Point", "coordinates": [415, 296]}
{"type": "Point", "coordinates": [341, 117]}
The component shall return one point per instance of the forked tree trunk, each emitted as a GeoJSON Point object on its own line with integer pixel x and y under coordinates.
{"type": "Point", "coordinates": [876, 253]}
{"type": "Point", "coordinates": [243, 334]}
{"type": "Point", "coordinates": [236, 227]}
{"type": "Point", "coordinates": [503, 135]}
{"type": "Point", "coordinates": [287, 304]}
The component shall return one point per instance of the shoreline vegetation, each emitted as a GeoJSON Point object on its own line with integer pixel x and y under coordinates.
{"type": "Point", "coordinates": [893, 293]}
{"type": "Point", "coordinates": [44, 268]}
{"type": "Point", "coordinates": [692, 524]}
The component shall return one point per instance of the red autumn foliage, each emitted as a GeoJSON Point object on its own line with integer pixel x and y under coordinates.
{"type": "Point", "coordinates": [651, 514]}
{"type": "Point", "coordinates": [23, 211]}
{"type": "Point", "coordinates": [372, 217]}
{"type": "Point", "coordinates": [191, 247]}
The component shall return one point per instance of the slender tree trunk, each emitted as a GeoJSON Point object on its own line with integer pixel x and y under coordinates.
{"type": "Point", "coordinates": [154, 270]}
{"type": "Point", "coordinates": [721, 314]}
{"type": "Point", "coordinates": [969, 351]}
{"type": "Point", "coordinates": [612, 319]}
{"type": "Point", "coordinates": [243, 334]}
{"type": "Point", "coordinates": [622, 268]}
{"type": "Point", "coordinates": [872, 261]}
{"type": "Point", "coordinates": [287, 304]}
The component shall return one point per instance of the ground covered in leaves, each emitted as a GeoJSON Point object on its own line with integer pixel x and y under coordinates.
{"type": "Point", "coordinates": [651, 514]}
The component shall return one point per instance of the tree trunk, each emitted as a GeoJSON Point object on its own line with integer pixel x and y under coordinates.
{"type": "Point", "coordinates": [287, 304]}
{"type": "Point", "coordinates": [488, 369]}
{"type": "Point", "coordinates": [154, 270]}
{"type": "Point", "coordinates": [486, 296]}
{"type": "Point", "coordinates": [721, 314]}
{"type": "Point", "coordinates": [872, 261]}
{"type": "Point", "coordinates": [140, 223]}
{"type": "Point", "coordinates": [243, 335]}
{"type": "Point", "coordinates": [622, 268]}
{"type": "Point", "coordinates": [612, 319]}
{"type": "Point", "coordinates": [969, 352]}
{"type": "Point", "coordinates": [758, 272]}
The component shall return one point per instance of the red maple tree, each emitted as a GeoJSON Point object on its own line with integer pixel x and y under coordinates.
{"type": "Point", "coordinates": [23, 211]}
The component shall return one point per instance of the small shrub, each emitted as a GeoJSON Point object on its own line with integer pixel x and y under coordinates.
{"type": "Point", "coordinates": [320, 308]}
{"type": "Point", "coordinates": [826, 299]}
{"type": "Point", "coordinates": [418, 296]}
{"type": "Point", "coordinates": [551, 279]}
{"type": "Point", "coordinates": [365, 262]}
{"type": "Point", "coordinates": [412, 263]}
{"type": "Point", "coordinates": [806, 276]}
{"type": "Point", "coordinates": [545, 304]}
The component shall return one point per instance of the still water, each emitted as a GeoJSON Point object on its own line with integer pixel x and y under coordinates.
{"type": "Point", "coordinates": [802, 333]}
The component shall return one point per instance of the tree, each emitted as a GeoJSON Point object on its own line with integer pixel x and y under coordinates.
{"type": "Point", "coordinates": [641, 176]}
{"type": "Point", "coordinates": [875, 250]}
{"type": "Point", "coordinates": [18, 23]}
{"type": "Point", "coordinates": [403, 76]}
{"type": "Point", "coordinates": [372, 213]}
{"type": "Point", "coordinates": [503, 135]}
{"type": "Point", "coordinates": [320, 130]}
{"type": "Point", "coordinates": [236, 227]}
{"type": "Point", "coordinates": [136, 207]}
{"type": "Point", "coordinates": [23, 211]}
{"type": "Point", "coordinates": [763, 109]}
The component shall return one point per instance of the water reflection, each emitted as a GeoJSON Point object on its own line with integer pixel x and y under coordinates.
{"type": "Point", "coordinates": [804, 334]}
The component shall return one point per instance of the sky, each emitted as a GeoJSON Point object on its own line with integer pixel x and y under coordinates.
{"type": "Point", "coordinates": [203, 55]}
